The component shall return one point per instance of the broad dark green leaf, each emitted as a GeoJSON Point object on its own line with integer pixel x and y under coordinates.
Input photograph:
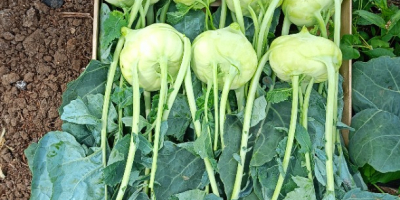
{"type": "Point", "coordinates": [179, 118]}
{"type": "Point", "coordinates": [227, 164]}
{"type": "Point", "coordinates": [357, 194]}
{"type": "Point", "coordinates": [111, 23]}
{"type": "Point", "coordinates": [81, 133]}
{"type": "Point", "coordinates": [190, 23]}
{"type": "Point", "coordinates": [375, 79]}
{"type": "Point", "coordinates": [74, 174]}
{"type": "Point", "coordinates": [178, 170]}
{"type": "Point", "coordinates": [202, 145]}
{"type": "Point", "coordinates": [77, 112]}
{"type": "Point", "coordinates": [258, 112]}
{"type": "Point", "coordinates": [266, 143]}
{"type": "Point", "coordinates": [303, 138]}
{"type": "Point", "coordinates": [305, 189]}
{"type": "Point", "coordinates": [376, 140]}
{"type": "Point", "coordinates": [371, 18]}
{"type": "Point", "coordinates": [378, 52]}
{"type": "Point", "coordinates": [279, 95]}
{"type": "Point", "coordinates": [116, 162]}
{"type": "Point", "coordinates": [347, 47]}
{"type": "Point", "coordinates": [30, 154]}
{"type": "Point", "coordinates": [91, 81]}
{"type": "Point", "coordinates": [190, 195]}
{"type": "Point", "coordinates": [42, 187]}
{"type": "Point", "coordinates": [372, 176]}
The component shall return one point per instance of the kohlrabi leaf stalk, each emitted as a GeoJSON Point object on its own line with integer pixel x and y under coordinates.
{"type": "Point", "coordinates": [315, 57]}
{"type": "Point", "coordinates": [230, 56]}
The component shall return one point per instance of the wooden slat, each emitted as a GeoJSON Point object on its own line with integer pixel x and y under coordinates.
{"type": "Point", "coordinates": [96, 7]}
{"type": "Point", "coordinates": [346, 68]}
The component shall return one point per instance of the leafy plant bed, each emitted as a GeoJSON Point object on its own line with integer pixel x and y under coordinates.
{"type": "Point", "coordinates": [178, 112]}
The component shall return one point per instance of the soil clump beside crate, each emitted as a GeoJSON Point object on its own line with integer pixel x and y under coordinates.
{"type": "Point", "coordinates": [41, 50]}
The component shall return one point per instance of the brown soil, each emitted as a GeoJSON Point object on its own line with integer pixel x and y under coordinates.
{"type": "Point", "coordinates": [44, 48]}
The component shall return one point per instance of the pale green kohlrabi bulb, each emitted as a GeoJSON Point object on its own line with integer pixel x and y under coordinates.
{"type": "Point", "coordinates": [126, 3]}
{"type": "Point", "coordinates": [303, 54]}
{"type": "Point", "coordinates": [121, 3]}
{"type": "Point", "coordinates": [254, 4]}
{"type": "Point", "coordinates": [305, 12]}
{"type": "Point", "coordinates": [228, 48]}
{"type": "Point", "coordinates": [196, 5]}
{"type": "Point", "coordinates": [146, 47]}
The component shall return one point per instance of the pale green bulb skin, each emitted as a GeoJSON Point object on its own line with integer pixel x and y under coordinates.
{"type": "Point", "coordinates": [303, 54]}
{"type": "Point", "coordinates": [225, 47]}
{"type": "Point", "coordinates": [121, 3]}
{"type": "Point", "coordinates": [303, 12]}
{"type": "Point", "coordinates": [193, 2]}
{"type": "Point", "coordinates": [147, 47]}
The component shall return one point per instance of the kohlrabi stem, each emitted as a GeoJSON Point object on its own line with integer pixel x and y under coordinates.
{"type": "Point", "coordinates": [264, 29]}
{"type": "Point", "coordinates": [304, 122]}
{"type": "Point", "coordinates": [246, 126]}
{"type": "Point", "coordinates": [322, 25]}
{"type": "Point", "coordinates": [197, 127]}
{"type": "Point", "coordinates": [150, 15]}
{"type": "Point", "coordinates": [142, 19]}
{"type": "Point", "coordinates": [321, 88]}
{"type": "Point", "coordinates": [240, 98]}
{"type": "Point", "coordinates": [106, 104]}
{"type": "Point", "coordinates": [256, 25]}
{"type": "Point", "coordinates": [216, 118]}
{"type": "Point", "coordinates": [147, 106]}
{"type": "Point", "coordinates": [164, 11]}
{"type": "Point", "coordinates": [239, 15]}
{"type": "Point", "coordinates": [223, 14]}
{"type": "Point", "coordinates": [290, 139]}
{"type": "Point", "coordinates": [337, 21]}
{"type": "Point", "coordinates": [335, 110]}
{"type": "Point", "coordinates": [134, 133]}
{"type": "Point", "coordinates": [208, 14]}
{"type": "Point", "coordinates": [134, 11]}
{"type": "Point", "coordinates": [180, 77]}
{"type": "Point", "coordinates": [329, 142]}
{"type": "Point", "coordinates": [224, 98]}
{"type": "Point", "coordinates": [300, 97]}
{"type": "Point", "coordinates": [209, 87]}
{"type": "Point", "coordinates": [286, 26]}
{"type": "Point", "coordinates": [160, 110]}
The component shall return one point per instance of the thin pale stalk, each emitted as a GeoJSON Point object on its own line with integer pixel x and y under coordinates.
{"type": "Point", "coordinates": [239, 15]}
{"type": "Point", "coordinates": [150, 15]}
{"type": "Point", "coordinates": [164, 11]}
{"type": "Point", "coordinates": [160, 110]}
{"type": "Point", "coordinates": [265, 24]}
{"type": "Point", "coordinates": [134, 133]}
{"type": "Point", "coordinates": [286, 26]}
{"type": "Point", "coordinates": [223, 14]}
{"type": "Point", "coordinates": [134, 11]}
{"type": "Point", "coordinates": [256, 26]}
{"type": "Point", "coordinates": [322, 25]}
{"type": "Point", "coordinates": [304, 122]}
{"type": "Point", "coordinates": [197, 127]}
{"type": "Point", "coordinates": [246, 127]}
{"type": "Point", "coordinates": [240, 98]}
{"type": "Point", "coordinates": [216, 117]}
{"type": "Point", "coordinates": [224, 98]}
{"type": "Point", "coordinates": [290, 140]}
{"type": "Point", "coordinates": [147, 105]}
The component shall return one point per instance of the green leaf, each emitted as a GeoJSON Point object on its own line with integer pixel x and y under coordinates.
{"type": "Point", "coordinates": [95, 105]}
{"type": "Point", "coordinates": [179, 118]}
{"type": "Point", "coordinates": [347, 47]}
{"type": "Point", "coordinates": [258, 112]}
{"type": "Point", "coordinates": [116, 162]}
{"type": "Point", "coordinates": [111, 23]}
{"type": "Point", "coordinates": [375, 79]}
{"type": "Point", "coordinates": [266, 143]}
{"type": "Point", "coordinates": [278, 95]}
{"type": "Point", "coordinates": [178, 170]}
{"type": "Point", "coordinates": [78, 113]}
{"type": "Point", "coordinates": [142, 122]}
{"type": "Point", "coordinates": [81, 133]}
{"type": "Point", "coordinates": [71, 171]}
{"type": "Point", "coordinates": [376, 140]}
{"type": "Point", "coordinates": [357, 194]}
{"type": "Point", "coordinates": [190, 195]}
{"type": "Point", "coordinates": [202, 145]}
{"type": "Point", "coordinates": [305, 189]}
{"type": "Point", "coordinates": [227, 164]}
{"type": "Point", "coordinates": [91, 81]}
{"type": "Point", "coordinates": [303, 139]}
{"type": "Point", "coordinates": [122, 96]}
{"type": "Point", "coordinates": [191, 24]}
{"type": "Point", "coordinates": [30, 154]}
{"type": "Point", "coordinates": [372, 176]}
{"type": "Point", "coordinates": [371, 18]}
{"type": "Point", "coordinates": [379, 52]}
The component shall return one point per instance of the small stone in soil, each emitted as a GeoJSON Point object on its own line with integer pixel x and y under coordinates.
{"type": "Point", "coordinates": [20, 85]}
{"type": "Point", "coordinates": [53, 3]}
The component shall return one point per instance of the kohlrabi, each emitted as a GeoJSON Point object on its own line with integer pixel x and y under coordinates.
{"type": "Point", "coordinates": [306, 13]}
{"type": "Point", "coordinates": [223, 59]}
{"type": "Point", "coordinates": [315, 58]}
